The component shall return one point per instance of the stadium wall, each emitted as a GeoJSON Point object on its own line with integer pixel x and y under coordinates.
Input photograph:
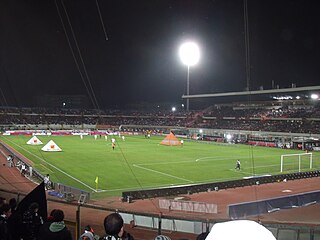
{"type": "Point", "coordinates": [48, 126]}
{"type": "Point", "coordinates": [128, 196]}
{"type": "Point", "coordinates": [243, 210]}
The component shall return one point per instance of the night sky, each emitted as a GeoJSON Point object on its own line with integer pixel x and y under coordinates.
{"type": "Point", "coordinates": [139, 62]}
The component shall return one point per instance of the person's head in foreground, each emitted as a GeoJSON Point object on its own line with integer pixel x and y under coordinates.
{"type": "Point", "coordinates": [113, 226]}
{"type": "Point", "coordinates": [239, 230]}
{"type": "Point", "coordinates": [162, 237]}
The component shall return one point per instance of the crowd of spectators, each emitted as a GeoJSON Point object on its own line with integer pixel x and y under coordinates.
{"type": "Point", "coordinates": [288, 126]}
{"type": "Point", "coordinates": [30, 224]}
{"type": "Point", "coordinates": [34, 224]}
{"type": "Point", "coordinates": [304, 119]}
{"type": "Point", "coordinates": [16, 116]}
{"type": "Point", "coordinates": [301, 119]}
{"type": "Point", "coordinates": [266, 113]}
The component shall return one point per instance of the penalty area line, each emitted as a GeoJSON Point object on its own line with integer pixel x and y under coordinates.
{"type": "Point", "coordinates": [46, 167]}
{"type": "Point", "coordinates": [162, 173]}
{"type": "Point", "coordinates": [239, 171]}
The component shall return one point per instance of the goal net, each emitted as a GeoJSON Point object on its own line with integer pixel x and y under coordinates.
{"type": "Point", "coordinates": [296, 162]}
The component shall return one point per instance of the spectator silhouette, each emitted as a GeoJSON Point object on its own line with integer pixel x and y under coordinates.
{"type": "Point", "coordinates": [162, 237]}
{"type": "Point", "coordinates": [202, 236]}
{"type": "Point", "coordinates": [113, 225]}
{"type": "Point", "coordinates": [5, 212]}
{"type": "Point", "coordinates": [31, 222]}
{"type": "Point", "coordinates": [55, 229]}
{"type": "Point", "coordinates": [14, 221]}
{"type": "Point", "coordinates": [89, 234]}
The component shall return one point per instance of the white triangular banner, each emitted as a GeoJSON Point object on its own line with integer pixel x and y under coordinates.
{"type": "Point", "coordinates": [34, 141]}
{"type": "Point", "coordinates": [51, 146]}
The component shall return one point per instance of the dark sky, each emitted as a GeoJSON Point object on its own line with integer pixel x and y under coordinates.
{"type": "Point", "coordinates": [139, 62]}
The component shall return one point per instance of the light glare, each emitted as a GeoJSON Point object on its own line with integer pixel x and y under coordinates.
{"type": "Point", "coordinates": [189, 53]}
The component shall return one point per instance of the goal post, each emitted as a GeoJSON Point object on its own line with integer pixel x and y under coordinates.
{"type": "Point", "coordinates": [301, 158]}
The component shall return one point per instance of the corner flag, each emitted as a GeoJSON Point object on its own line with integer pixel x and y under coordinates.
{"type": "Point", "coordinates": [96, 181]}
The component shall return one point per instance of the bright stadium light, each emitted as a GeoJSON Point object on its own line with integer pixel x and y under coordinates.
{"type": "Point", "coordinates": [228, 137]}
{"type": "Point", "coordinates": [314, 96]}
{"type": "Point", "coordinates": [173, 109]}
{"type": "Point", "coordinates": [190, 55]}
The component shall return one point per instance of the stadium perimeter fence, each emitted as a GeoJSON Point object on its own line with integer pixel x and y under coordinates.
{"type": "Point", "coordinates": [215, 186]}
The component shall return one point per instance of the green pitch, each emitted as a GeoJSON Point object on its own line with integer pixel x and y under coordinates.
{"type": "Point", "coordinates": [139, 163]}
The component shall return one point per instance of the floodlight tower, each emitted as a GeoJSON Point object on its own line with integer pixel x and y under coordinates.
{"type": "Point", "coordinates": [189, 55]}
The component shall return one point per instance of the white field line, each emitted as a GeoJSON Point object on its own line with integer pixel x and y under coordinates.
{"type": "Point", "coordinates": [41, 159]}
{"type": "Point", "coordinates": [205, 159]}
{"type": "Point", "coordinates": [166, 174]}
{"type": "Point", "coordinates": [202, 159]}
{"type": "Point", "coordinates": [46, 167]}
{"type": "Point", "coordinates": [134, 188]}
{"type": "Point", "coordinates": [237, 171]}
{"type": "Point", "coordinates": [3, 153]}
{"type": "Point", "coordinates": [176, 162]}
{"type": "Point", "coordinates": [150, 164]}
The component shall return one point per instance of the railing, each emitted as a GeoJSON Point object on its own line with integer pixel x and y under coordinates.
{"type": "Point", "coordinates": [207, 187]}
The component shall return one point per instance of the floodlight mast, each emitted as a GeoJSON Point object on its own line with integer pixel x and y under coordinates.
{"type": "Point", "coordinates": [189, 55]}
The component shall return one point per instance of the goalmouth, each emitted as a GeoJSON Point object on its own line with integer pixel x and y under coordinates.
{"type": "Point", "coordinates": [290, 161]}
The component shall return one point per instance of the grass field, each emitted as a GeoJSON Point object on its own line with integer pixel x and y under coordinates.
{"type": "Point", "coordinates": [139, 163]}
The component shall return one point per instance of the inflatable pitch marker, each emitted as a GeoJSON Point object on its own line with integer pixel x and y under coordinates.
{"type": "Point", "coordinates": [51, 146]}
{"type": "Point", "coordinates": [34, 141]}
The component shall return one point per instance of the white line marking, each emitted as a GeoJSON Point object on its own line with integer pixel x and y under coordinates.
{"type": "Point", "coordinates": [77, 180]}
{"type": "Point", "coordinates": [169, 175]}
{"type": "Point", "coordinates": [46, 167]}
{"type": "Point", "coordinates": [3, 153]}
{"type": "Point", "coordinates": [139, 188]}
{"type": "Point", "coordinates": [239, 171]}
{"type": "Point", "coordinates": [205, 159]}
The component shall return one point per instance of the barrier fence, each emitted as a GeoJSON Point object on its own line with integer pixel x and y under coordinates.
{"type": "Point", "coordinates": [216, 186]}
{"type": "Point", "coordinates": [242, 210]}
{"type": "Point", "coordinates": [188, 206]}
